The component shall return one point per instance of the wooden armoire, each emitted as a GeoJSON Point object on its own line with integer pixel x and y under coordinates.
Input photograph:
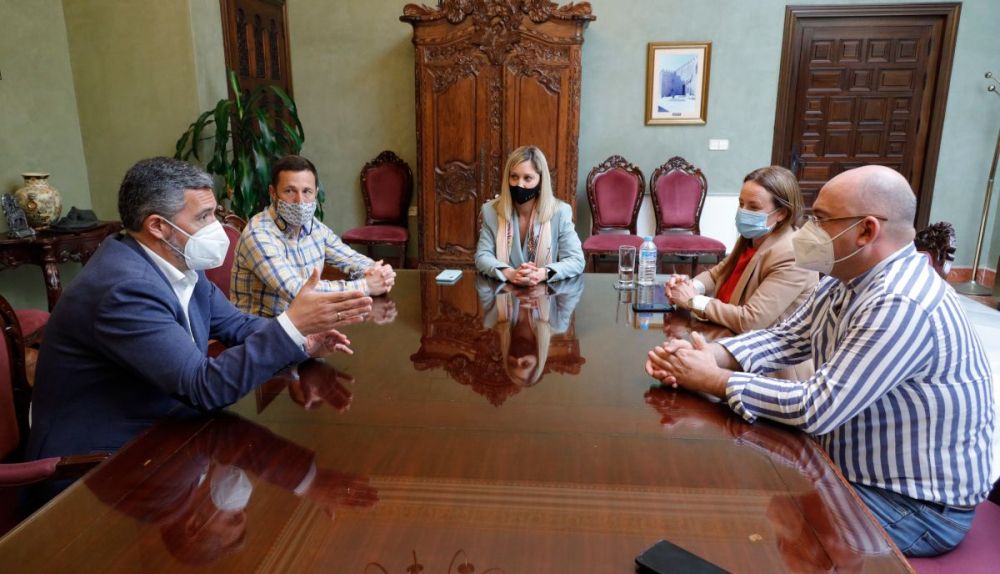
{"type": "Point", "coordinates": [491, 75]}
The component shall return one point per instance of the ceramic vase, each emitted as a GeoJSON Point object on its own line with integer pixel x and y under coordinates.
{"type": "Point", "coordinates": [41, 202]}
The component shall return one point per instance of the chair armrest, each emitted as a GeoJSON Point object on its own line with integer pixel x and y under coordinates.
{"type": "Point", "coordinates": [75, 466]}
{"type": "Point", "coordinates": [22, 473]}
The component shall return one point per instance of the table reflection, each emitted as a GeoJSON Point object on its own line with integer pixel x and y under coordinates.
{"type": "Point", "coordinates": [383, 310]}
{"type": "Point", "coordinates": [497, 338]}
{"type": "Point", "coordinates": [827, 513]}
{"type": "Point", "coordinates": [310, 385]}
{"type": "Point", "coordinates": [196, 496]}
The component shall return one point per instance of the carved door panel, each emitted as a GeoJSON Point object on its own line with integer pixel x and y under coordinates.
{"type": "Point", "coordinates": [457, 150]}
{"type": "Point", "coordinates": [539, 110]}
{"type": "Point", "coordinates": [255, 35]}
{"type": "Point", "coordinates": [863, 88]}
{"type": "Point", "coordinates": [859, 101]}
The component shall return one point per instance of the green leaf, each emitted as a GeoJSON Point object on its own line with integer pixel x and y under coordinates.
{"type": "Point", "coordinates": [181, 144]}
{"type": "Point", "coordinates": [220, 154]}
{"type": "Point", "coordinates": [267, 140]}
{"type": "Point", "coordinates": [262, 171]}
{"type": "Point", "coordinates": [234, 84]}
{"type": "Point", "coordinates": [293, 137]}
{"type": "Point", "coordinates": [244, 189]}
{"type": "Point", "coordinates": [252, 129]}
{"type": "Point", "coordinates": [320, 199]}
{"type": "Point", "coordinates": [203, 121]}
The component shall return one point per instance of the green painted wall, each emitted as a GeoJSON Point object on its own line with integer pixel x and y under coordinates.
{"type": "Point", "coordinates": [209, 53]}
{"type": "Point", "coordinates": [353, 74]}
{"type": "Point", "coordinates": [136, 84]}
{"type": "Point", "coordinates": [39, 130]}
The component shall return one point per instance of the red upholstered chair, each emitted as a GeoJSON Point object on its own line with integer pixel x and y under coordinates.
{"type": "Point", "coordinates": [615, 189]}
{"type": "Point", "coordinates": [15, 397]}
{"type": "Point", "coordinates": [979, 552]}
{"type": "Point", "coordinates": [387, 185]}
{"type": "Point", "coordinates": [32, 324]}
{"type": "Point", "coordinates": [221, 275]}
{"type": "Point", "coordinates": [678, 190]}
{"type": "Point", "coordinates": [229, 218]}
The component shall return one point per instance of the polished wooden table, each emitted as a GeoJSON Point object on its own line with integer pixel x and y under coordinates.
{"type": "Point", "coordinates": [50, 248]}
{"type": "Point", "coordinates": [427, 451]}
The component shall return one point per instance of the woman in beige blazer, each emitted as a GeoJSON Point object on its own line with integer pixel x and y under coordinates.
{"type": "Point", "coordinates": [758, 284]}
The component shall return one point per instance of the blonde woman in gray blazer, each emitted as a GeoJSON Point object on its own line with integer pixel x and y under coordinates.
{"type": "Point", "coordinates": [528, 235]}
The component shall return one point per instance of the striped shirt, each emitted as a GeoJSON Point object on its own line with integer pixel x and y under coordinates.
{"type": "Point", "coordinates": [902, 395]}
{"type": "Point", "coordinates": [271, 265]}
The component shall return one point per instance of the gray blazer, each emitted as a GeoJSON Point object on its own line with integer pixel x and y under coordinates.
{"type": "Point", "coordinates": [567, 253]}
{"type": "Point", "coordinates": [561, 298]}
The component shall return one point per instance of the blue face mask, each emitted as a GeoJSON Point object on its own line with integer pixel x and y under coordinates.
{"type": "Point", "coordinates": [752, 224]}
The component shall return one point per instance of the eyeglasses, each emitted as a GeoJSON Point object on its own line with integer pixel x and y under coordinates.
{"type": "Point", "coordinates": [821, 220]}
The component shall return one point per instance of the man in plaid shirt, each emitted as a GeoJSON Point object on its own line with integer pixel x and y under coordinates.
{"type": "Point", "coordinates": [282, 245]}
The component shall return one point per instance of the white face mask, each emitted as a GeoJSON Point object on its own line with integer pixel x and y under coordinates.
{"type": "Point", "coordinates": [206, 249]}
{"type": "Point", "coordinates": [813, 248]}
{"type": "Point", "coordinates": [230, 488]}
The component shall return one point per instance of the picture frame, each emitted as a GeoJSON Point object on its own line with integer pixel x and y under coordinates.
{"type": "Point", "coordinates": [677, 82]}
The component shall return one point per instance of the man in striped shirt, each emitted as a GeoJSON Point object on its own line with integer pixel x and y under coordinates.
{"type": "Point", "coordinates": [282, 245]}
{"type": "Point", "coordinates": [901, 399]}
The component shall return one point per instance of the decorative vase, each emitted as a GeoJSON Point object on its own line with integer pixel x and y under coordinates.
{"type": "Point", "coordinates": [41, 202]}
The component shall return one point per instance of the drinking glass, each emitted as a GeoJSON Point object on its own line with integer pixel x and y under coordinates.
{"type": "Point", "coordinates": [626, 267]}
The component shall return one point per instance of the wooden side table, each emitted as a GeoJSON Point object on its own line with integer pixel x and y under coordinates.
{"type": "Point", "coordinates": [50, 248]}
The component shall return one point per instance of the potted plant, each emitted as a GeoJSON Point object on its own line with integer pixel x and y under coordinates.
{"type": "Point", "coordinates": [252, 130]}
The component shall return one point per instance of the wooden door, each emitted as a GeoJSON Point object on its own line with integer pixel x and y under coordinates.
{"type": "Point", "coordinates": [864, 85]}
{"type": "Point", "coordinates": [255, 35]}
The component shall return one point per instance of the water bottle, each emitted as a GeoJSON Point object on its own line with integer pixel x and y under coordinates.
{"type": "Point", "coordinates": [647, 262]}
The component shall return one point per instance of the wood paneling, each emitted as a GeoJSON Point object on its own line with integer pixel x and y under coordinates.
{"type": "Point", "coordinates": [255, 35]}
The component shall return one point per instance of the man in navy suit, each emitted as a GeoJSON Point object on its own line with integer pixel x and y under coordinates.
{"type": "Point", "coordinates": [126, 344]}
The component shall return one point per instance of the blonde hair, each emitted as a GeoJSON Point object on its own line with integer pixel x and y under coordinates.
{"type": "Point", "coordinates": [783, 188]}
{"type": "Point", "coordinates": [545, 204]}
{"type": "Point", "coordinates": [543, 336]}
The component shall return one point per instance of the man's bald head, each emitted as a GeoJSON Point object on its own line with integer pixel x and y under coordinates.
{"type": "Point", "coordinates": [878, 190]}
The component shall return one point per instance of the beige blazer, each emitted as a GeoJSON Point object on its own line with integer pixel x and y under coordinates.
{"type": "Point", "coordinates": [771, 288]}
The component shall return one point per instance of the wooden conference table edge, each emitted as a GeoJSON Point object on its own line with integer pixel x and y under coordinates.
{"type": "Point", "coordinates": [194, 430]}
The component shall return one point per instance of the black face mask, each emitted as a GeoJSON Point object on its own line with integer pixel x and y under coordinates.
{"type": "Point", "coordinates": [523, 194]}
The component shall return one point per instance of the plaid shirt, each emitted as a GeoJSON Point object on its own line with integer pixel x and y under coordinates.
{"type": "Point", "coordinates": [271, 265]}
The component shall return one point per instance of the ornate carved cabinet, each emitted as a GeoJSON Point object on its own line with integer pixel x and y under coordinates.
{"type": "Point", "coordinates": [491, 75]}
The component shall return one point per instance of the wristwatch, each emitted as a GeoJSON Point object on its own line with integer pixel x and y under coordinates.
{"type": "Point", "coordinates": [551, 272]}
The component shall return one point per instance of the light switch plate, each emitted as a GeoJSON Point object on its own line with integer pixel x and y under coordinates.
{"type": "Point", "coordinates": [718, 145]}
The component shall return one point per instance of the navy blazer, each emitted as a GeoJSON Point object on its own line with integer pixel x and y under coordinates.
{"type": "Point", "coordinates": [117, 354]}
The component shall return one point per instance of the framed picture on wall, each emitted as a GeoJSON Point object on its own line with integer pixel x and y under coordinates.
{"type": "Point", "coordinates": [677, 82]}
